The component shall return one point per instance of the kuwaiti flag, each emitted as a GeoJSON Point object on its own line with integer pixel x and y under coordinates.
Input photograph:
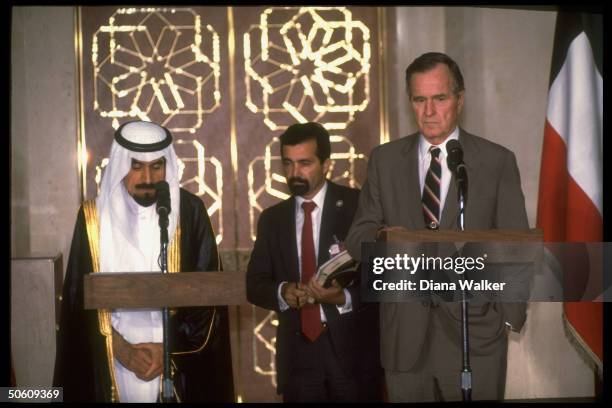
{"type": "Point", "coordinates": [570, 203]}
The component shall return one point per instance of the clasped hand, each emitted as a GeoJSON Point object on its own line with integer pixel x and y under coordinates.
{"type": "Point", "coordinates": [143, 359]}
{"type": "Point", "coordinates": [296, 294]}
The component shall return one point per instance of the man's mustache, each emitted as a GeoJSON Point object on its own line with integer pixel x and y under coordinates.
{"type": "Point", "coordinates": [294, 180]}
{"type": "Point", "coordinates": [298, 186]}
{"type": "Point", "coordinates": [145, 186]}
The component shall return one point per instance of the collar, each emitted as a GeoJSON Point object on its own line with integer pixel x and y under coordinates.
{"type": "Point", "coordinates": [424, 145]}
{"type": "Point", "coordinates": [318, 199]}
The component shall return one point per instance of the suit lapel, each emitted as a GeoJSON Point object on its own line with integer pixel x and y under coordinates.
{"type": "Point", "coordinates": [448, 219]}
{"type": "Point", "coordinates": [472, 162]}
{"type": "Point", "coordinates": [329, 217]}
{"type": "Point", "coordinates": [288, 242]}
{"type": "Point", "coordinates": [409, 177]}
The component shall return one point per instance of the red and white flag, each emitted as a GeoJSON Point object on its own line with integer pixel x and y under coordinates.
{"type": "Point", "coordinates": [570, 202]}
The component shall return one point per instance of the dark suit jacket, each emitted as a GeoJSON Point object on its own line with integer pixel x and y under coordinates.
{"type": "Point", "coordinates": [391, 196]}
{"type": "Point", "coordinates": [275, 259]}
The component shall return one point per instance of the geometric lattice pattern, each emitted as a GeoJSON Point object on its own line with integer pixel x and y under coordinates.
{"type": "Point", "coordinates": [203, 176]}
{"type": "Point", "coordinates": [307, 64]}
{"type": "Point", "coordinates": [302, 64]}
{"type": "Point", "coordinates": [158, 64]}
{"type": "Point", "coordinates": [264, 335]}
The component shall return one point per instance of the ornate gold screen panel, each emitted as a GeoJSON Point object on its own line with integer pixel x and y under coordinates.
{"type": "Point", "coordinates": [227, 81]}
{"type": "Point", "coordinates": [304, 64]}
{"type": "Point", "coordinates": [300, 64]}
{"type": "Point", "coordinates": [161, 64]}
{"type": "Point", "coordinates": [156, 61]}
{"type": "Point", "coordinates": [307, 64]}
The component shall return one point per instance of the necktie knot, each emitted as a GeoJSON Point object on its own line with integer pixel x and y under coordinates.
{"type": "Point", "coordinates": [435, 151]}
{"type": "Point", "coordinates": [308, 206]}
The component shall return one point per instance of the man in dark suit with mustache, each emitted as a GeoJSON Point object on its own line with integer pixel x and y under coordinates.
{"type": "Point", "coordinates": [327, 350]}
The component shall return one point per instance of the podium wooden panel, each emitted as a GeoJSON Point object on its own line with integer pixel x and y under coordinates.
{"type": "Point", "coordinates": [145, 290]}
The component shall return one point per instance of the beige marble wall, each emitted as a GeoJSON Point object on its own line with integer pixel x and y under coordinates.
{"type": "Point", "coordinates": [414, 31]}
{"type": "Point", "coordinates": [44, 180]}
{"type": "Point", "coordinates": [504, 55]}
{"type": "Point", "coordinates": [35, 291]}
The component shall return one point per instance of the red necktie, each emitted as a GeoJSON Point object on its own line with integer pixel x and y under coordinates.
{"type": "Point", "coordinates": [309, 313]}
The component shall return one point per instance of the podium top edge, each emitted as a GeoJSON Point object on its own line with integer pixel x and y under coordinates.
{"type": "Point", "coordinates": [472, 235]}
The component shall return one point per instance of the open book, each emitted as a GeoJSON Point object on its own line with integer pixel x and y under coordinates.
{"type": "Point", "coordinates": [341, 267]}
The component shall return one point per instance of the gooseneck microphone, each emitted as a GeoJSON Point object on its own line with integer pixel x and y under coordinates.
{"type": "Point", "coordinates": [163, 209]}
{"type": "Point", "coordinates": [163, 197]}
{"type": "Point", "coordinates": [455, 163]}
{"type": "Point", "coordinates": [163, 202]}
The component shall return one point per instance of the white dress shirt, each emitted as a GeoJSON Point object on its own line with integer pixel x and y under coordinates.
{"type": "Point", "coordinates": [319, 200]}
{"type": "Point", "coordinates": [425, 160]}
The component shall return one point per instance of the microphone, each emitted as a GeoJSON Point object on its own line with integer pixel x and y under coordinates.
{"type": "Point", "coordinates": [163, 202]}
{"type": "Point", "coordinates": [455, 163]}
{"type": "Point", "coordinates": [163, 197]}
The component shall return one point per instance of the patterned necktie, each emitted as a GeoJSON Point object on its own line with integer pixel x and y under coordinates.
{"type": "Point", "coordinates": [309, 313]}
{"type": "Point", "coordinates": [431, 191]}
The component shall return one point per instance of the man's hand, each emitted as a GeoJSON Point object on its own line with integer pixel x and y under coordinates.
{"type": "Point", "coordinates": [143, 359]}
{"type": "Point", "coordinates": [334, 295]}
{"type": "Point", "coordinates": [156, 353]}
{"type": "Point", "coordinates": [294, 294]}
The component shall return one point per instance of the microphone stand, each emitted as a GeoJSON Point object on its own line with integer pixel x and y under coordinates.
{"type": "Point", "coordinates": [466, 371]}
{"type": "Point", "coordinates": [167, 386]}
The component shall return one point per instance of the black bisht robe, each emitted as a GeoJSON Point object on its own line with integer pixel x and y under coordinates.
{"type": "Point", "coordinates": [81, 366]}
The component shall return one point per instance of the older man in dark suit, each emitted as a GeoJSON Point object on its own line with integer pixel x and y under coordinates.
{"type": "Point", "coordinates": [325, 351]}
{"type": "Point", "coordinates": [409, 185]}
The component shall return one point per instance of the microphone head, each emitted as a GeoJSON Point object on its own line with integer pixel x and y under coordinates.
{"type": "Point", "coordinates": [162, 185]}
{"type": "Point", "coordinates": [454, 154]}
{"type": "Point", "coordinates": [163, 196]}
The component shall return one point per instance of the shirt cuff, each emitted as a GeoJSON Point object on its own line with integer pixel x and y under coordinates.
{"type": "Point", "coordinates": [282, 305]}
{"type": "Point", "coordinates": [348, 303]}
{"type": "Point", "coordinates": [510, 326]}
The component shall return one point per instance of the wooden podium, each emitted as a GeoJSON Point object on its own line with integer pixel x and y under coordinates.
{"type": "Point", "coordinates": [158, 290]}
{"type": "Point", "coordinates": [145, 290]}
{"type": "Point", "coordinates": [497, 242]}
{"type": "Point", "coordinates": [492, 235]}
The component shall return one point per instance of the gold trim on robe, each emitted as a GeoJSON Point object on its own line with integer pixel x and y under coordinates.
{"type": "Point", "coordinates": [174, 250]}
{"type": "Point", "coordinates": [212, 320]}
{"type": "Point", "coordinates": [104, 315]}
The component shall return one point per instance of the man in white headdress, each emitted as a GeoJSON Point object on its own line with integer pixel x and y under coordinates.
{"type": "Point", "coordinates": [117, 355]}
